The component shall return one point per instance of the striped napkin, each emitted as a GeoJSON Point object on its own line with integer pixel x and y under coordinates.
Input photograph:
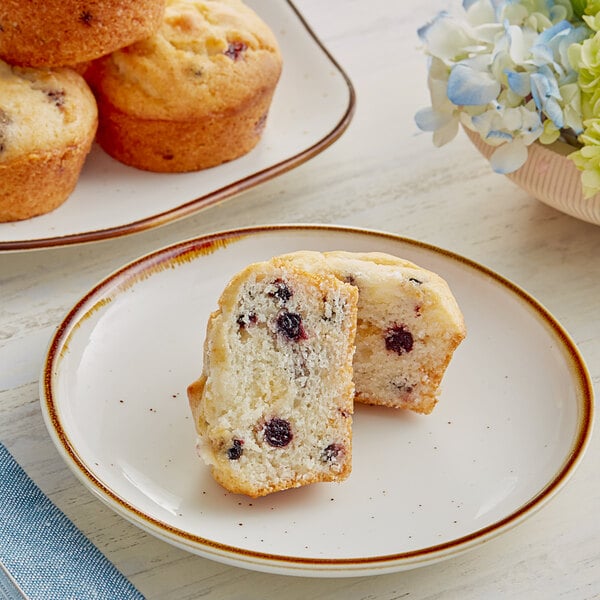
{"type": "Point", "coordinates": [42, 554]}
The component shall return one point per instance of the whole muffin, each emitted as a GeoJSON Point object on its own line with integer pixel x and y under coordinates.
{"type": "Point", "coordinates": [48, 119]}
{"type": "Point", "coordinates": [193, 95]}
{"type": "Point", "coordinates": [65, 32]}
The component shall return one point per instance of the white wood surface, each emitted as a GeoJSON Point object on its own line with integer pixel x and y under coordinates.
{"type": "Point", "coordinates": [382, 174]}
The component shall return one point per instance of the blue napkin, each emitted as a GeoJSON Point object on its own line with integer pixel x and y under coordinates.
{"type": "Point", "coordinates": [42, 554]}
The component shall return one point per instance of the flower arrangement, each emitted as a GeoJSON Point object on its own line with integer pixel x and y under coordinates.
{"type": "Point", "coordinates": [518, 72]}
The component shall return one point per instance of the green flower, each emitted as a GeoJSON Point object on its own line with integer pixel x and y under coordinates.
{"type": "Point", "coordinates": [585, 7]}
{"type": "Point", "coordinates": [592, 6]}
{"type": "Point", "coordinates": [550, 134]}
{"type": "Point", "coordinates": [537, 14]}
{"type": "Point", "coordinates": [587, 159]}
{"type": "Point", "coordinates": [585, 59]}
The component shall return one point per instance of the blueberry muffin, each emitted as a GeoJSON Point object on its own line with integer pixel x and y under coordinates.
{"type": "Point", "coordinates": [48, 120]}
{"type": "Point", "coordinates": [273, 406]}
{"type": "Point", "coordinates": [408, 327]}
{"type": "Point", "coordinates": [57, 33]}
{"type": "Point", "coordinates": [193, 95]}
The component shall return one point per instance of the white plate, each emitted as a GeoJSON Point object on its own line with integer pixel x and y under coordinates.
{"type": "Point", "coordinates": [513, 421]}
{"type": "Point", "coordinates": [312, 107]}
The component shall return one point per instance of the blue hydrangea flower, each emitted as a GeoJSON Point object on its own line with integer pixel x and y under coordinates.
{"type": "Point", "coordinates": [502, 68]}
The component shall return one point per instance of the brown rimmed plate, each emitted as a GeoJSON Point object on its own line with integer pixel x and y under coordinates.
{"type": "Point", "coordinates": [513, 421]}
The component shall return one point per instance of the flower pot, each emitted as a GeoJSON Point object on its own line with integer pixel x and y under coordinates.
{"type": "Point", "coordinates": [551, 177]}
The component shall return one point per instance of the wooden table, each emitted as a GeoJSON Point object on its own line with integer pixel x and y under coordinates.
{"type": "Point", "coordinates": [385, 174]}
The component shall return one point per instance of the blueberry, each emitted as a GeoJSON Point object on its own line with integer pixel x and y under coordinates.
{"type": "Point", "coordinates": [236, 450]}
{"type": "Point", "coordinates": [290, 325]}
{"type": "Point", "coordinates": [86, 17]}
{"type": "Point", "coordinates": [399, 339]}
{"type": "Point", "coordinates": [57, 97]}
{"type": "Point", "coordinates": [333, 452]}
{"type": "Point", "coordinates": [278, 432]}
{"type": "Point", "coordinates": [245, 320]}
{"type": "Point", "coordinates": [403, 386]}
{"type": "Point", "coordinates": [282, 291]}
{"type": "Point", "coordinates": [235, 50]}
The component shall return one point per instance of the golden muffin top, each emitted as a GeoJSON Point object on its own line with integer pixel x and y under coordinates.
{"type": "Point", "coordinates": [207, 55]}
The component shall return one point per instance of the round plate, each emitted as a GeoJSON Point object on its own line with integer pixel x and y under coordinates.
{"type": "Point", "coordinates": [513, 420]}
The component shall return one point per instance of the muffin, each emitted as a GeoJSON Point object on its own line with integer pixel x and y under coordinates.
{"type": "Point", "coordinates": [193, 95]}
{"type": "Point", "coordinates": [48, 120]}
{"type": "Point", "coordinates": [408, 326]}
{"type": "Point", "coordinates": [273, 406]}
{"type": "Point", "coordinates": [64, 32]}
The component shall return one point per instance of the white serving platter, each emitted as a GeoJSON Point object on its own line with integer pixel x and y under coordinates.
{"type": "Point", "coordinates": [312, 107]}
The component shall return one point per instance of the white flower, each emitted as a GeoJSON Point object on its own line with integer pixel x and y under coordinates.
{"type": "Point", "coordinates": [443, 116]}
{"type": "Point", "coordinates": [470, 86]}
{"type": "Point", "coordinates": [511, 130]}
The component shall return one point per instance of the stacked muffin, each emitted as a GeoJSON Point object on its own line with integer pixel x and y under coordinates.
{"type": "Point", "coordinates": [176, 85]}
{"type": "Point", "coordinates": [193, 95]}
